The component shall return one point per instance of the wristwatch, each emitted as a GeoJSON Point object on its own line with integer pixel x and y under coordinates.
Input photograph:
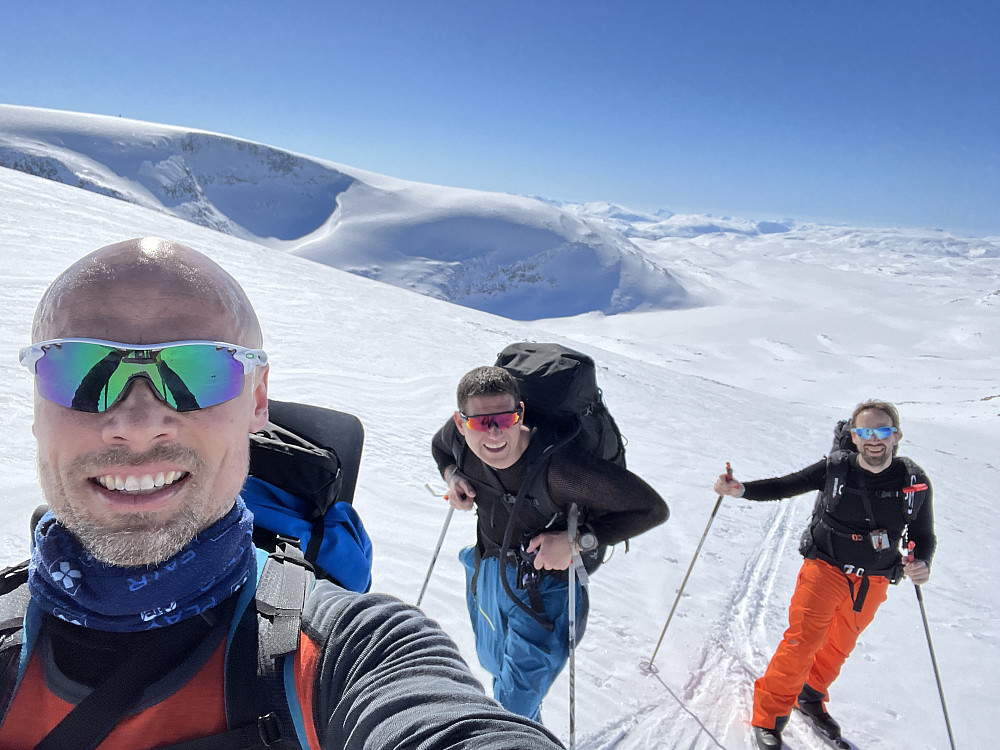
{"type": "Point", "coordinates": [587, 541]}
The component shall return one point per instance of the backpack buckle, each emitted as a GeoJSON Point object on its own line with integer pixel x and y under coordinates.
{"type": "Point", "coordinates": [269, 729]}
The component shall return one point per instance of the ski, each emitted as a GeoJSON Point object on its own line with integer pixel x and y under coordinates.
{"type": "Point", "coordinates": [839, 742]}
{"type": "Point", "coordinates": [615, 740]}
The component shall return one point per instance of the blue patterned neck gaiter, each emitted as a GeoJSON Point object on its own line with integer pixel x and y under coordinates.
{"type": "Point", "coordinates": [70, 584]}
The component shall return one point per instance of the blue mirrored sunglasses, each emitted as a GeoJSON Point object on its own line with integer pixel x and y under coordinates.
{"type": "Point", "coordinates": [92, 375]}
{"type": "Point", "coordinates": [868, 433]}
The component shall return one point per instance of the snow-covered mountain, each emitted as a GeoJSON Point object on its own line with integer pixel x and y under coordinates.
{"type": "Point", "coordinates": [520, 257]}
{"type": "Point", "coordinates": [794, 328]}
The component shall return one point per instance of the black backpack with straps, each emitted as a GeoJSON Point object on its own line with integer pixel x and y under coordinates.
{"type": "Point", "coordinates": [559, 387]}
{"type": "Point", "coordinates": [322, 473]}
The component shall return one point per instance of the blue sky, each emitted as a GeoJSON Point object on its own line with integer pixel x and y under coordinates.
{"type": "Point", "coordinates": [880, 113]}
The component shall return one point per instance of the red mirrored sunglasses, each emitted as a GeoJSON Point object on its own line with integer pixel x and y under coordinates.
{"type": "Point", "coordinates": [485, 422]}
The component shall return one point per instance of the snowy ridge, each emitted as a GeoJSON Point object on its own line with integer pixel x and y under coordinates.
{"type": "Point", "coordinates": [520, 257]}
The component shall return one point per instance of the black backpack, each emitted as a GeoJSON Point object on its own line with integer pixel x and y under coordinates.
{"type": "Point", "coordinates": [303, 473]}
{"type": "Point", "coordinates": [559, 387]}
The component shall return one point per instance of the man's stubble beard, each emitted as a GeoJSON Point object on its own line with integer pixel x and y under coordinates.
{"type": "Point", "coordinates": [877, 462]}
{"type": "Point", "coordinates": [143, 541]}
{"type": "Point", "coordinates": [139, 539]}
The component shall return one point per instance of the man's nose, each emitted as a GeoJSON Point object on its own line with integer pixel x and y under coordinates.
{"type": "Point", "coordinates": [140, 418]}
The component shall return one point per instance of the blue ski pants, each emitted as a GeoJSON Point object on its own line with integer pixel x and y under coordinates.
{"type": "Point", "coordinates": [522, 655]}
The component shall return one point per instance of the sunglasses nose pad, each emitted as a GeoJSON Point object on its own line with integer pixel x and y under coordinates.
{"type": "Point", "coordinates": [130, 384]}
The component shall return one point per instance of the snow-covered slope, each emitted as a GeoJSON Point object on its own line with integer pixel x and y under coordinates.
{"type": "Point", "coordinates": [520, 257]}
{"type": "Point", "coordinates": [750, 379]}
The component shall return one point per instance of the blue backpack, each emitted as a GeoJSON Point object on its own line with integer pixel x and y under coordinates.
{"type": "Point", "coordinates": [303, 472]}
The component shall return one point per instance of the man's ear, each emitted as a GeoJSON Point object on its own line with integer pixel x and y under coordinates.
{"type": "Point", "coordinates": [260, 414]}
{"type": "Point", "coordinates": [459, 423]}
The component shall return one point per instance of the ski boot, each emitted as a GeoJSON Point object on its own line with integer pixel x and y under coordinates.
{"type": "Point", "coordinates": [770, 739]}
{"type": "Point", "coordinates": [810, 703]}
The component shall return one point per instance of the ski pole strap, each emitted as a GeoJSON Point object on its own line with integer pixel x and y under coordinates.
{"type": "Point", "coordinates": [534, 470]}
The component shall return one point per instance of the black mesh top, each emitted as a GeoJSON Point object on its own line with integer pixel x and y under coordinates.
{"type": "Point", "coordinates": [613, 501]}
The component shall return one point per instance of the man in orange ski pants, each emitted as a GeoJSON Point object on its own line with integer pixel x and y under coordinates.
{"type": "Point", "coordinates": [870, 503]}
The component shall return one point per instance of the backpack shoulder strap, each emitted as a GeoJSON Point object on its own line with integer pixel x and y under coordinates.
{"type": "Point", "coordinates": [535, 469]}
{"type": "Point", "coordinates": [14, 598]}
{"type": "Point", "coordinates": [913, 500]}
{"type": "Point", "coordinates": [262, 705]}
{"type": "Point", "coordinates": [837, 465]}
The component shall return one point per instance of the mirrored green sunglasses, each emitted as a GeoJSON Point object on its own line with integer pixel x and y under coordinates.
{"type": "Point", "coordinates": [92, 375]}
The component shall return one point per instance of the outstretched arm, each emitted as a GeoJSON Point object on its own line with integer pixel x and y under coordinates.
{"type": "Point", "coordinates": [389, 678]}
{"type": "Point", "coordinates": [810, 478]}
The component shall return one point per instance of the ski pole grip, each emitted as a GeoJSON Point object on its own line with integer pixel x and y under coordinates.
{"type": "Point", "coordinates": [909, 551]}
{"type": "Point", "coordinates": [729, 471]}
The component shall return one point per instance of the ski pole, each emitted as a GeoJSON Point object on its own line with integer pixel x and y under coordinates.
{"type": "Point", "coordinates": [444, 530]}
{"type": "Point", "coordinates": [573, 522]}
{"type": "Point", "coordinates": [930, 646]}
{"type": "Point", "coordinates": [648, 666]}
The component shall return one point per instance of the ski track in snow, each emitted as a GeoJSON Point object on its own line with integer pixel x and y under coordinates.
{"type": "Point", "coordinates": [712, 709]}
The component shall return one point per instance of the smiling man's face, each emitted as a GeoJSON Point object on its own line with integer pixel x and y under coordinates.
{"type": "Point", "coordinates": [875, 454]}
{"type": "Point", "coordinates": [139, 481]}
{"type": "Point", "coordinates": [497, 448]}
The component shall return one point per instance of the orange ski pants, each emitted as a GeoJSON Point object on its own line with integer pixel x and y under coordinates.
{"type": "Point", "coordinates": [823, 629]}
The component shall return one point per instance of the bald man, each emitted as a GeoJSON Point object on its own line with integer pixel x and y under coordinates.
{"type": "Point", "coordinates": [149, 377]}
